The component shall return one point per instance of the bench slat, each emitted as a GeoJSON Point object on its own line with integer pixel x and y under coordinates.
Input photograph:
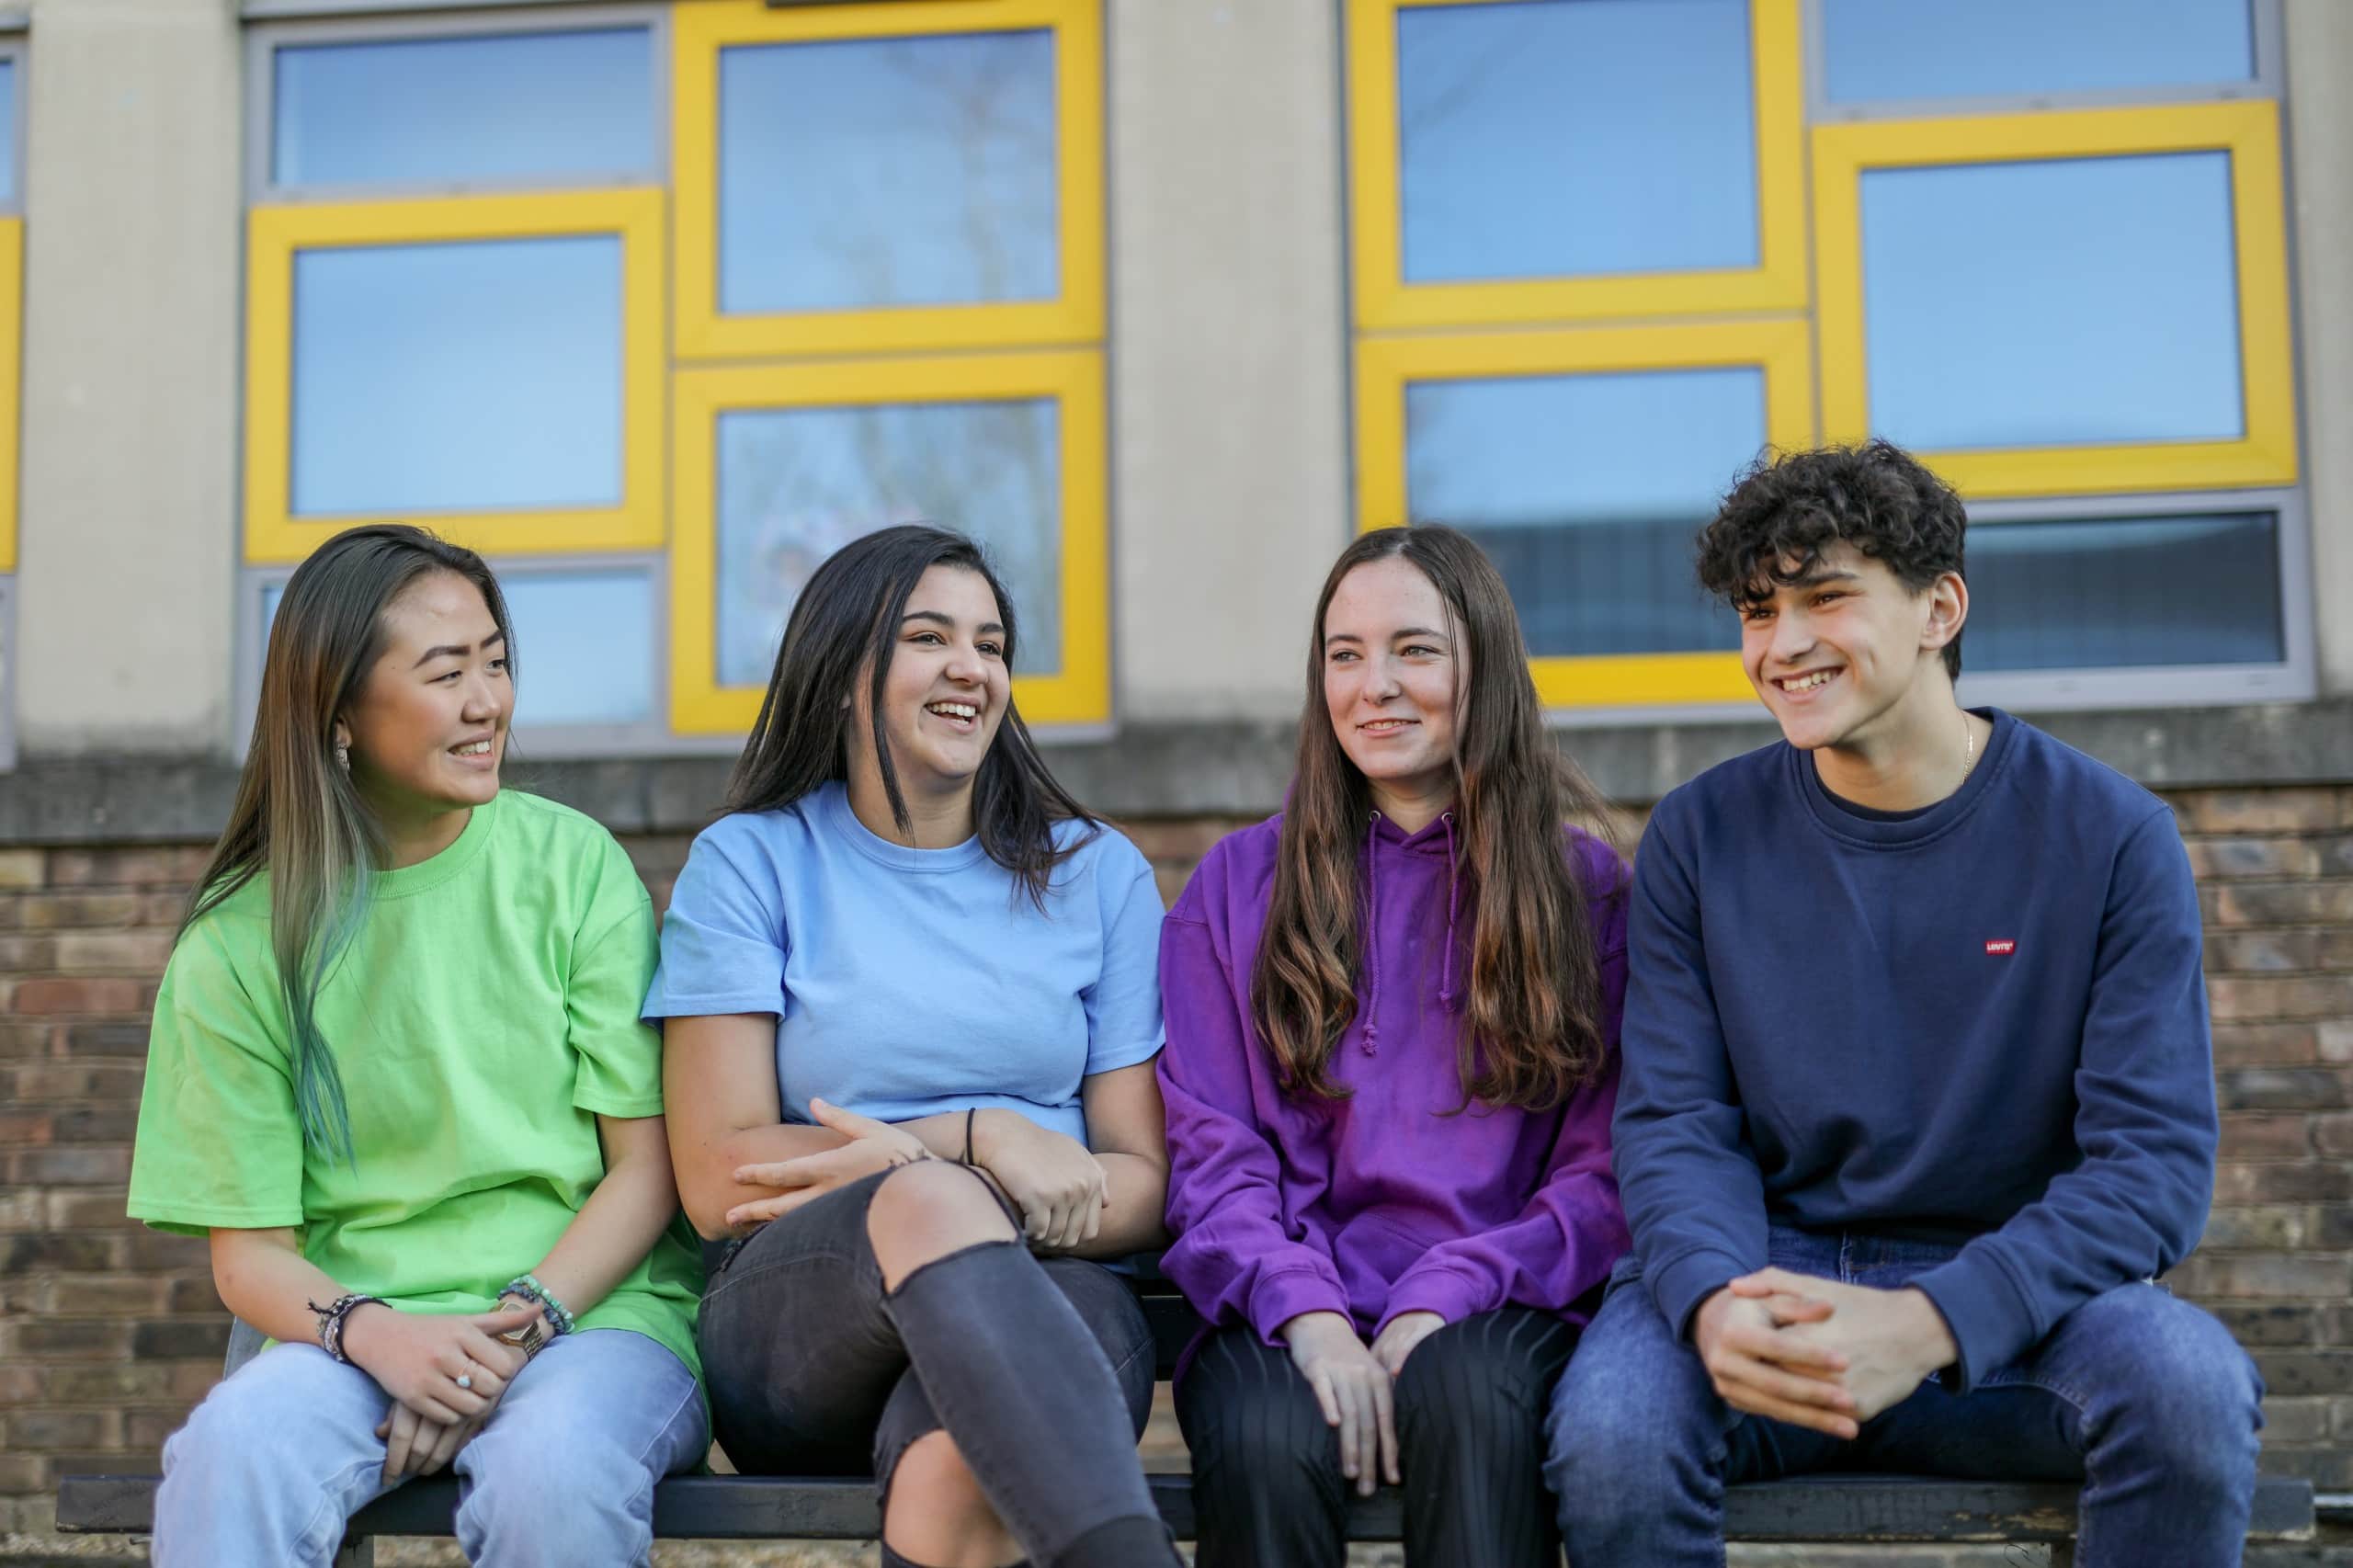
{"type": "Point", "coordinates": [734, 1507]}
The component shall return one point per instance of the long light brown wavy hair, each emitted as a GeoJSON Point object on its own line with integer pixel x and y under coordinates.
{"type": "Point", "coordinates": [298, 819]}
{"type": "Point", "coordinates": [1531, 1027]}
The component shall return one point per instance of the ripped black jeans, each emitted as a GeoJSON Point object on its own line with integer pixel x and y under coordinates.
{"type": "Point", "coordinates": [812, 1368]}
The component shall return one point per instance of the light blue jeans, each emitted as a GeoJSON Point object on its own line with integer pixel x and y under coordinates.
{"type": "Point", "coordinates": [280, 1454]}
{"type": "Point", "coordinates": [2145, 1399]}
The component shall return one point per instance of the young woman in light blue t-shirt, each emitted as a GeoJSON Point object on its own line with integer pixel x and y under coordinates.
{"type": "Point", "coordinates": [909, 996]}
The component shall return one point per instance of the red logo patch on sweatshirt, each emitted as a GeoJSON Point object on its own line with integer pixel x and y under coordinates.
{"type": "Point", "coordinates": [2001, 948]}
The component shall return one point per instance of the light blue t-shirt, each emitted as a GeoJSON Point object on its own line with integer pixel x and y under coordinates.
{"type": "Point", "coordinates": [908, 982]}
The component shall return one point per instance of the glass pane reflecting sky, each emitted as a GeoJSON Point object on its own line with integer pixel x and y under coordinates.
{"type": "Point", "coordinates": [1938, 49]}
{"type": "Point", "coordinates": [474, 376]}
{"type": "Point", "coordinates": [2196, 590]}
{"type": "Point", "coordinates": [2077, 300]}
{"type": "Point", "coordinates": [1588, 490]}
{"type": "Point", "coordinates": [8, 131]}
{"type": "Point", "coordinates": [454, 111]}
{"type": "Point", "coordinates": [582, 642]}
{"type": "Point", "coordinates": [796, 484]}
{"type": "Point", "coordinates": [1576, 137]}
{"type": "Point", "coordinates": [887, 172]}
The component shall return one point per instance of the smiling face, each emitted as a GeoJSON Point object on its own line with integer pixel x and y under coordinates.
{"type": "Point", "coordinates": [1393, 665]}
{"type": "Point", "coordinates": [1844, 651]}
{"type": "Point", "coordinates": [428, 728]}
{"type": "Point", "coordinates": [948, 687]}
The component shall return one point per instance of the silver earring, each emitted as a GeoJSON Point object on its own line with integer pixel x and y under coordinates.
{"type": "Point", "coordinates": [343, 757]}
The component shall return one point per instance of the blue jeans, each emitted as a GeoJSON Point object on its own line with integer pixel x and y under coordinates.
{"type": "Point", "coordinates": [2145, 1399]}
{"type": "Point", "coordinates": [280, 1454]}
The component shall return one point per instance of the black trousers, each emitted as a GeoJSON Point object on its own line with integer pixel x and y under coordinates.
{"type": "Point", "coordinates": [1267, 1484]}
{"type": "Point", "coordinates": [1040, 1369]}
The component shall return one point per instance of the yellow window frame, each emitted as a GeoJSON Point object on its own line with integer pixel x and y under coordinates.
{"type": "Point", "coordinates": [12, 345]}
{"type": "Point", "coordinates": [1079, 693]}
{"type": "Point", "coordinates": [698, 32]}
{"type": "Point", "coordinates": [273, 534]}
{"type": "Point", "coordinates": [1386, 366]}
{"type": "Point", "coordinates": [1385, 300]}
{"type": "Point", "coordinates": [2248, 131]}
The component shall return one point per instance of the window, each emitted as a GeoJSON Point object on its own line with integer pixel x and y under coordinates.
{"type": "Point", "coordinates": [2043, 244]}
{"type": "Point", "coordinates": [656, 306]}
{"type": "Point", "coordinates": [890, 308]}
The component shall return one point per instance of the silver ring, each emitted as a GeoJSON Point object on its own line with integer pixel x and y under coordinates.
{"type": "Point", "coordinates": [465, 1380]}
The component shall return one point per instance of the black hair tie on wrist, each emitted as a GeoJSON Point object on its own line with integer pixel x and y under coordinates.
{"type": "Point", "coordinates": [970, 1112]}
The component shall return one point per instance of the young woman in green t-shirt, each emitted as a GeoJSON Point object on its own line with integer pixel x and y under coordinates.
{"type": "Point", "coordinates": [398, 1078]}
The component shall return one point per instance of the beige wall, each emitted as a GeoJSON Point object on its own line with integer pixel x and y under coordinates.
{"type": "Point", "coordinates": [124, 574]}
{"type": "Point", "coordinates": [1228, 349]}
{"type": "Point", "coordinates": [2320, 172]}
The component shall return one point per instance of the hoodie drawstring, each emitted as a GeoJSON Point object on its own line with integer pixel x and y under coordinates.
{"type": "Point", "coordinates": [1372, 935]}
{"type": "Point", "coordinates": [1453, 886]}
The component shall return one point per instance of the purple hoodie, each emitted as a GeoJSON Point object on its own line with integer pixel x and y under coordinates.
{"type": "Point", "coordinates": [1381, 1203]}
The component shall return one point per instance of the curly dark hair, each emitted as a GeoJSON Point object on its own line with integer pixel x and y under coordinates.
{"type": "Point", "coordinates": [1876, 497]}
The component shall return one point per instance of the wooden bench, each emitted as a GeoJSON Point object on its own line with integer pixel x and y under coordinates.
{"type": "Point", "coordinates": [1820, 1509]}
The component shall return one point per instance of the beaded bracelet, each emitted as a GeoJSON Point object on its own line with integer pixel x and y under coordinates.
{"type": "Point", "coordinates": [331, 1319]}
{"type": "Point", "coordinates": [529, 1287]}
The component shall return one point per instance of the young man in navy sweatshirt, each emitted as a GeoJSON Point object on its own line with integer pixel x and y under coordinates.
{"type": "Point", "coordinates": [1919, 1091]}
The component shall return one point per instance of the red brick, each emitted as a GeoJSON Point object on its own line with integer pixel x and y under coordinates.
{"type": "Point", "coordinates": [22, 1128]}
{"type": "Point", "coordinates": [146, 1429]}
{"type": "Point", "coordinates": [2332, 1135]}
{"type": "Point", "coordinates": [2267, 1324]}
{"type": "Point", "coordinates": [85, 1208]}
{"type": "Point", "coordinates": [53, 996]}
{"type": "Point", "coordinates": [2259, 810]}
{"type": "Point", "coordinates": [23, 868]}
{"type": "Point", "coordinates": [191, 1381]}
{"type": "Point", "coordinates": [95, 1123]}
{"type": "Point", "coordinates": [2256, 1135]}
{"type": "Point", "coordinates": [78, 910]}
{"type": "Point", "coordinates": [2263, 952]}
{"type": "Point", "coordinates": [113, 952]}
{"type": "Point", "coordinates": [161, 1249]}
{"type": "Point", "coordinates": [83, 1166]}
{"type": "Point", "coordinates": [23, 1039]}
{"type": "Point", "coordinates": [2305, 996]}
{"type": "Point", "coordinates": [20, 1210]}
{"type": "Point", "coordinates": [96, 1295]}
{"type": "Point", "coordinates": [2296, 1420]}
{"type": "Point", "coordinates": [2265, 1045]}
{"type": "Point", "coordinates": [193, 1293]}
{"type": "Point", "coordinates": [25, 1473]}
{"type": "Point", "coordinates": [62, 1081]}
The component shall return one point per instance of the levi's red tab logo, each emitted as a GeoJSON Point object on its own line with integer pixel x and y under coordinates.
{"type": "Point", "coordinates": [2001, 948]}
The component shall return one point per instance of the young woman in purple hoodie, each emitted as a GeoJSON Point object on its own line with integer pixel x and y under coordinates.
{"type": "Point", "coordinates": [1392, 1021]}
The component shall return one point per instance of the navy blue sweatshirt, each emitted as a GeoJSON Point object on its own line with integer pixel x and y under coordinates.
{"type": "Point", "coordinates": [1984, 1023]}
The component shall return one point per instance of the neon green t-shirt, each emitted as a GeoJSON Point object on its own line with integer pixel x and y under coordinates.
{"type": "Point", "coordinates": [483, 1019]}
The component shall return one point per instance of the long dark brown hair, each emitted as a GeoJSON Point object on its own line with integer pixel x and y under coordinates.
{"type": "Point", "coordinates": [1531, 1026]}
{"type": "Point", "coordinates": [847, 619]}
{"type": "Point", "coordinates": [298, 818]}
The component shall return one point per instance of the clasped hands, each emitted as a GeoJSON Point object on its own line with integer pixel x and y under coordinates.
{"type": "Point", "coordinates": [1056, 1184]}
{"type": "Point", "coordinates": [1352, 1382]}
{"type": "Point", "coordinates": [417, 1358]}
{"type": "Point", "coordinates": [1818, 1353]}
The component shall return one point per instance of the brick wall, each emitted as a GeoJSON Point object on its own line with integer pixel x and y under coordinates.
{"type": "Point", "coordinates": [109, 1332]}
